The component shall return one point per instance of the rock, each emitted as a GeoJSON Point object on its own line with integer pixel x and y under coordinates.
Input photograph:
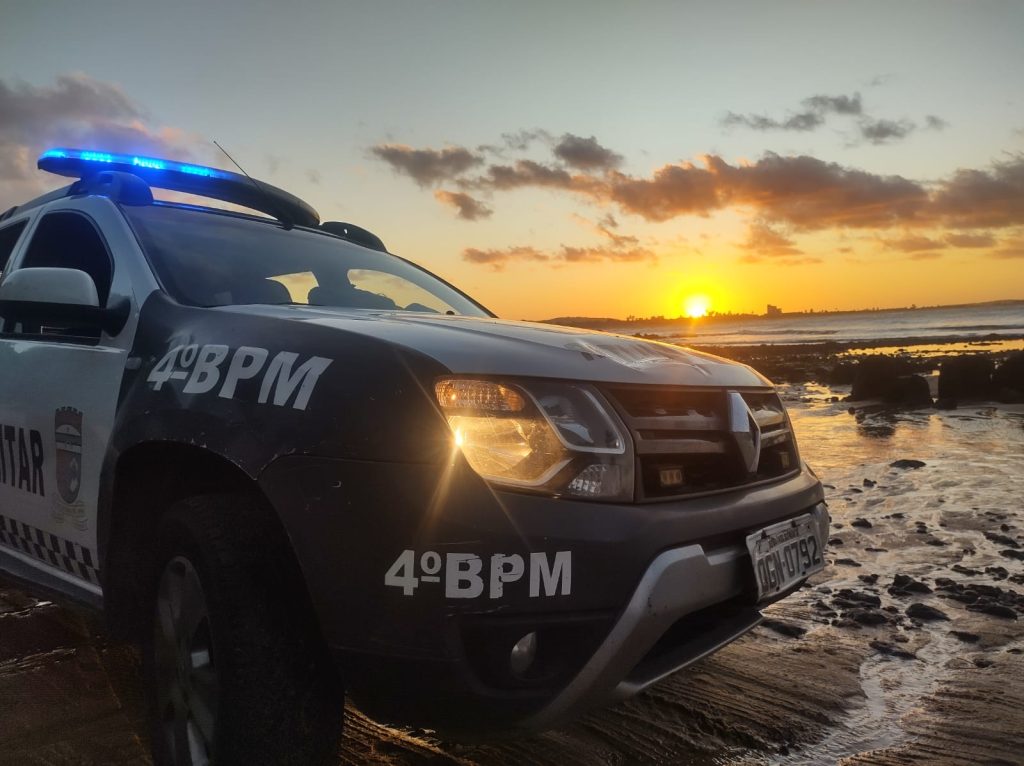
{"type": "Point", "coordinates": [875, 376]}
{"type": "Point", "coordinates": [903, 585]}
{"type": "Point", "coordinates": [981, 662]}
{"type": "Point", "coordinates": [921, 611]}
{"type": "Point", "coordinates": [1008, 378]}
{"type": "Point", "coordinates": [998, 573]}
{"type": "Point", "coordinates": [877, 550]}
{"type": "Point", "coordinates": [909, 390]}
{"type": "Point", "coordinates": [1018, 555]}
{"type": "Point", "coordinates": [945, 404]}
{"type": "Point", "coordinates": [967, 638]}
{"type": "Point", "coordinates": [847, 562]}
{"type": "Point", "coordinates": [863, 523]}
{"type": "Point", "coordinates": [905, 463]}
{"type": "Point", "coordinates": [869, 483]}
{"type": "Point", "coordinates": [996, 610]}
{"type": "Point", "coordinates": [835, 541]}
{"type": "Point", "coordinates": [845, 622]}
{"type": "Point", "coordinates": [964, 570]}
{"type": "Point", "coordinates": [866, 616]}
{"type": "Point", "coordinates": [850, 598]}
{"type": "Point", "coordinates": [790, 629]}
{"type": "Point", "coordinates": [966, 377]}
{"type": "Point", "coordinates": [870, 579]}
{"type": "Point", "coordinates": [935, 541]}
{"type": "Point", "coordinates": [898, 515]}
{"type": "Point", "coordinates": [1006, 540]}
{"type": "Point", "coordinates": [892, 651]}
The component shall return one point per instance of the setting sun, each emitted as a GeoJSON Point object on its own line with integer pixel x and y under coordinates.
{"type": "Point", "coordinates": [696, 306]}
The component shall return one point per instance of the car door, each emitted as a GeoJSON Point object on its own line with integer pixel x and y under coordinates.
{"type": "Point", "coordinates": [58, 396]}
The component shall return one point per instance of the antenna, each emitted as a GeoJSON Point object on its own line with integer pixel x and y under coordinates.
{"type": "Point", "coordinates": [282, 217]}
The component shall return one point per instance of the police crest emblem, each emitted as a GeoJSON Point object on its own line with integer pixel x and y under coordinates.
{"type": "Point", "coordinates": [67, 435]}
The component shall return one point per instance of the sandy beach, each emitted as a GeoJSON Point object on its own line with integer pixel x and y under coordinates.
{"type": "Point", "coordinates": [908, 648]}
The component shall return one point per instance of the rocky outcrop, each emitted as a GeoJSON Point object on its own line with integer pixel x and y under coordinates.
{"type": "Point", "coordinates": [966, 377]}
{"type": "Point", "coordinates": [1008, 379]}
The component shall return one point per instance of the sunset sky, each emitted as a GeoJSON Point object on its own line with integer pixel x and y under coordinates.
{"type": "Point", "coordinates": [576, 158]}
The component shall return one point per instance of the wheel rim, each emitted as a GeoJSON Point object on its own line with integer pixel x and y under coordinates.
{"type": "Point", "coordinates": [188, 687]}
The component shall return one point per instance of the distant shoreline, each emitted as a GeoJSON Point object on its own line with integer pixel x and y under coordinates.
{"type": "Point", "coordinates": [597, 322]}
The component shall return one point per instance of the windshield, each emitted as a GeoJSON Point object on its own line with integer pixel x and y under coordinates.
{"type": "Point", "coordinates": [211, 259]}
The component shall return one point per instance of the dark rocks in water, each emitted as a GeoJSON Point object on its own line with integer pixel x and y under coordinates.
{"type": "Point", "coordinates": [921, 611]}
{"type": "Point", "coordinates": [1018, 555]}
{"type": "Point", "coordinates": [835, 541]}
{"type": "Point", "coordinates": [870, 579]}
{"type": "Point", "coordinates": [905, 463]}
{"type": "Point", "coordinates": [846, 622]}
{"type": "Point", "coordinates": [910, 390]}
{"type": "Point", "coordinates": [790, 629]}
{"type": "Point", "coordinates": [841, 374]}
{"type": "Point", "coordinates": [935, 541]}
{"type": "Point", "coordinates": [848, 597]}
{"type": "Point", "coordinates": [981, 662]}
{"type": "Point", "coordinates": [1008, 378]}
{"type": "Point", "coordinates": [869, 483]}
{"type": "Point", "coordinates": [998, 573]}
{"type": "Point", "coordinates": [1006, 540]}
{"type": "Point", "coordinates": [893, 651]}
{"type": "Point", "coordinates": [903, 585]}
{"type": "Point", "coordinates": [965, 570]}
{"type": "Point", "coordinates": [866, 616]}
{"type": "Point", "coordinates": [877, 550]}
{"type": "Point", "coordinates": [875, 375]}
{"type": "Point", "coordinates": [847, 562]}
{"type": "Point", "coordinates": [966, 377]}
{"type": "Point", "coordinates": [967, 638]}
{"type": "Point", "coordinates": [945, 404]}
{"type": "Point", "coordinates": [996, 610]}
{"type": "Point", "coordinates": [897, 515]}
{"type": "Point", "coordinates": [863, 523]}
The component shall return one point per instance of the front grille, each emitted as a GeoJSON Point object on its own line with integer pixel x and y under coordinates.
{"type": "Point", "coordinates": [691, 441]}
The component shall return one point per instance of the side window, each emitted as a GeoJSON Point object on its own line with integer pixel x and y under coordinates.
{"type": "Point", "coordinates": [9, 236]}
{"type": "Point", "coordinates": [70, 241]}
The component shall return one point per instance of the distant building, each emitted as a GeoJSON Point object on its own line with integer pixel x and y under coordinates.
{"type": "Point", "coordinates": [773, 311]}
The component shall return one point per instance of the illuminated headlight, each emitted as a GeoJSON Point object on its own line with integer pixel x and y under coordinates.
{"type": "Point", "coordinates": [556, 438]}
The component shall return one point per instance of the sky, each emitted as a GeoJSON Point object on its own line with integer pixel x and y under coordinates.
{"type": "Point", "coordinates": [576, 158]}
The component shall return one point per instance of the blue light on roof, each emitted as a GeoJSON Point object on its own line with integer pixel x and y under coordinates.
{"type": "Point", "coordinates": [81, 161]}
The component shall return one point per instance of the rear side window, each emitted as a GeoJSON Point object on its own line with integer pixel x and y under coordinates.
{"type": "Point", "coordinates": [9, 236]}
{"type": "Point", "coordinates": [70, 241]}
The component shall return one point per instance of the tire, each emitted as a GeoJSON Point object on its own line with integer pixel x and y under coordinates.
{"type": "Point", "coordinates": [237, 672]}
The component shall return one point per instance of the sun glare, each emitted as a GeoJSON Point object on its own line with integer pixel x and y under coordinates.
{"type": "Point", "coordinates": [696, 306]}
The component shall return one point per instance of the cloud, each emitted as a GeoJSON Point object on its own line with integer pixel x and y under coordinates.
{"type": "Point", "coordinates": [801, 121]}
{"type": "Point", "coordinates": [885, 131]}
{"type": "Point", "coordinates": [523, 173]}
{"type": "Point", "coordinates": [816, 108]}
{"type": "Point", "coordinates": [931, 122]}
{"type": "Point", "coordinates": [757, 259]}
{"type": "Point", "coordinates": [313, 176]}
{"type": "Point", "coordinates": [835, 104]}
{"type": "Point", "coordinates": [497, 259]}
{"type": "Point", "coordinates": [466, 207]}
{"type": "Point", "coordinates": [970, 240]}
{"type": "Point", "coordinates": [983, 198]}
{"type": "Point", "coordinates": [427, 166]}
{"type": "Point", "coordinates": [76, 111]}
{"type": "Point", "coordinates": [800, 190]}
{"type": "Point", "coordinates": [928, 256]}
{"type": "Point", "coordinates": [764, 240]}
{"type": "Point", "coordinates": [913, 244]}
{"type": "Point", "coordinates": [585, 153]}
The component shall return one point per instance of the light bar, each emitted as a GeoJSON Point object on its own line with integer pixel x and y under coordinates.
{"type": "Point", "coordinates": [76, 162]}
{"type": "Point", "coordinates": [184, 177]}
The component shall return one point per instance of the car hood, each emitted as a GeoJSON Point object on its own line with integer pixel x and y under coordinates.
{"type": "Point", "coordinates": [488, 346]}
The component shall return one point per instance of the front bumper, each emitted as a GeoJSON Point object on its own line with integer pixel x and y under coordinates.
{"type": "Point", "coordinates": [654, 586]}
{"type": "Point", "coordinates": [679, 583]}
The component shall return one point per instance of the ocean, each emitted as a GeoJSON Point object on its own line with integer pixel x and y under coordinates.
{"type": "Point", "coordinates": [966, 323]}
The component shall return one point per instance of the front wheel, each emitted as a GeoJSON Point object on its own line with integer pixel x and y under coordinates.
{"type": "Point", "coordinates": [237, 673]}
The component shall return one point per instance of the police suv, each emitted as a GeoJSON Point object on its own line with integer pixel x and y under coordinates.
{"type": "Point", "coordinates": [291, 464]}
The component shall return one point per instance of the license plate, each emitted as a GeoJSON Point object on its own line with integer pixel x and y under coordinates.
{"type": "Point", "coordinates": [785, 553]}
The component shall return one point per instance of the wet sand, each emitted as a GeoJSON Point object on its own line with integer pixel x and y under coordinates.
{"type": "Point", "coordinates": [840, 673]}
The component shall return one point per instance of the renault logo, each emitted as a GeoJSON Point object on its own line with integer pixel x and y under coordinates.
{"type": "Point", "coordinates": [745, 431]}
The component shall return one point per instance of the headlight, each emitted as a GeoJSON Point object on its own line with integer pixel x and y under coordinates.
{"type": "Point", "coordinates": [556, 438]}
